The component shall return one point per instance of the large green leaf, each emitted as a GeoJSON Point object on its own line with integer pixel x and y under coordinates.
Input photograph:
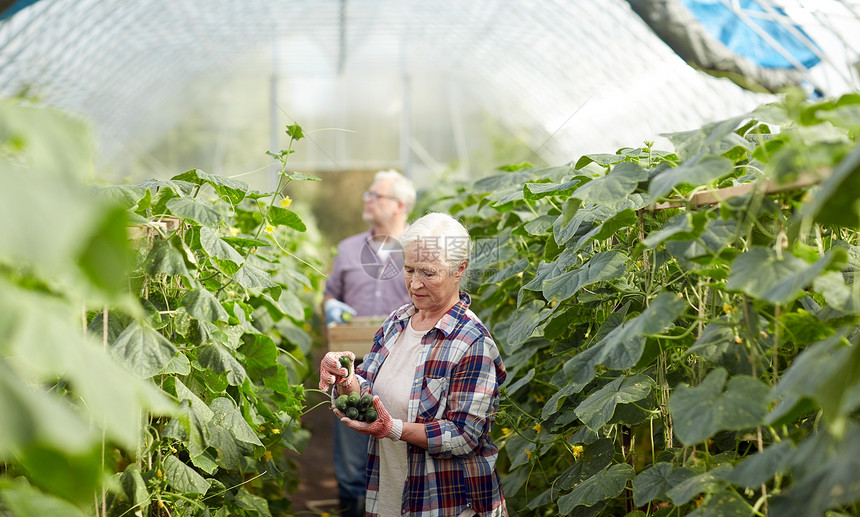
{"type": "Point", "coordinates": [599, 407]}
{"type": "Point", "coordinates": [594, 458]}
{"type": "Point", "coordinates": [183, 478]}
{"type": "Point", "coordinates": [218, 358]}
{"type": "Point", "coordinates": [233, 190]}
{"type": "Point", "coordinates": [225, 254]}
{"type": "Point", "coordinates": [142, 350]}
{"type": "Point", "coordinates": [724, 504]}
{"type": "Point", "coordinates": [834, 202]}
{"type": "Point", "coordinates": [711, 139]}
{"type": "Point", "coordinates": [597, 488]}
{"type": "Point", "coordinates": [282, 216]}
{"type": "Point", "coordinates": [777, 278]}
{"type": "Point", "coordinates": [601, 267]}
{"type": "Point", "coordinates": [622, 347]}
{"type": "Point", "coordinates": [24, 500]}
{"type": "Point", "coordinates": [526, 319]}
{"type": "Point", "coordinates": [694, 172]}
{"type": "Point", "coordinates": [228, 417]}
{"type": "Point", "coordinates": [255, 503]}
{"type": "Point", "coordinates": [203, 305]}
{"type": "Point", "coordinates": [253, 278]}
{"type": "Point", "coordinates": [534, 191]}
{"type": "Point", "coordinates": [197, 211]}
{"type": "Point", "coordinates": [758, 468]}
{"type": "Point", "coordinates": [38, 418]}
{"type": "Point", "coordinates": [683, 226]}
{"type": "Point", "coordinates": [163, 258]}
{"type": "Point", "coordinates": [621, 181]}
{"type": "Point", "coordinates": [699, 412]}
{"type": "Point", "coordinates": [105, 258]}
{"type": "Point", "coordinates": [655, 481]}
{"type": "Point", "coordinates": [827, 372]}
{"type": "Point", "coordinates": [708, 481]}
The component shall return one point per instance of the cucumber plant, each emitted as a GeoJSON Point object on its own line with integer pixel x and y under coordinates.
{"type": "Point", "coordinates": [679, 327]}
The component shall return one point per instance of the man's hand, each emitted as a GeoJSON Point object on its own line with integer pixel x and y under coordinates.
{"type": "Point", "coordinates": [335, 311]}
{"type": "Point", "coordinates": [383, 427]}
{"type": "Point", "coordinates": [333, 372]}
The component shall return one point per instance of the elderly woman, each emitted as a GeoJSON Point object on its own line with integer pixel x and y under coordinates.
{"type": "Point", "coordinates": [434, 372]}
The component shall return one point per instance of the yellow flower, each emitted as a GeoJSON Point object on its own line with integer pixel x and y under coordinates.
{"type": "Point", "coordinates": [506, 431]}
{"type": "Point", "coordinates": [262, 428]}
{"type": "Point", "coordinates": [158, 473]}
{"type": "Point", "coordinates": [234, 231]}
{"type": "Point", "coordinates": [270, 228]}
{"type": "Point", "coordinates": [577, 451]}
{"type": "Point", "coordinates": [739, 339]}
{"type": "Point", "coordinates": [276, 431]}
{"type": "Point", "coordinates": [267, 455]}
{"type": "Point", "coordinates": [537, 428]}
{"type": "Point", "coordinates": [528, 454]}
{"type": "Point", "coordinates": [286, 202]}
{"type": "Point", "coordinates": [727, 308]}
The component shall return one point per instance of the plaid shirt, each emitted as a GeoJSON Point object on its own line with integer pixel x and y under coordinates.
{"type": "Point", "coordinates": [455, 394]}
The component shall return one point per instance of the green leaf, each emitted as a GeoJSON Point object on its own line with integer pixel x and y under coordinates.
{"type": "Point", "coordinates": [623, 346]}
{"type": "Point", "coordinates": [723, 504]}
{"type": "Point", "coordinates": [565, 226]}
{"type": "Point", "coordinates": [233, 190]}
{"type": "Point", "coordinates": [653, 482]}
{"type": "Point", "coordinates": [183, 478]}
{"type": "Point", "coordinates": [282, 216]}
{"type": "Point", "coordinates": [621, 181]}
{"type": "Point", "coordinates": [761, 467]}
{"type": "Point", "coordinates": [194, 210]}
{"type": "Point", "coordinates": [594, 458]}
{"type": "Point", "coordinates": [228, 417]}
{"type": "Point", "coordinates": [711, 139]}
{"type": "Point", "coordinates": [255, 503]}
{"type": "Point", "coordinates": [827, 372]}
{"type": "Point", "coordinates": [230, 450]}
{"type": "Point", "coordinates": [694, 172]}
{"type": "Point", "coordinates": [698, 413]}
{"type": "Point", "coordinates": [163, 258]}
{"type": "Point", "coordinates": [525, 321]}
{"type": "Point", "coordinates": [253, 278]}
{"type": "Point", "coordinates": [300, 176]}
{"type": "Point", "coordinates": [834, 202]}
{"type": "Point", "coordinates": [534, 191]}
{"type": "Point", "coordinates": [599, 407]}
{"type": "Point", "coordinates": [134, 487]}
{"type": "Point", "coordinates": [23, 500]}
{"type": "Point", "coordinates": [142, 350]}
{"type": "Point", "coordinates": [125, 196]}
{"type": "Point", "coordinates": [218, 358]}
{"type": "Point", "coordinates": [40, 418]}
{"type": "Point", "coordinates": [105, 257]}
{"type": "Point", "coordinates": [709, 481]}
{"type": "Point", "coordinates": [764, 274]}
{"type": "Point", "coordinates": [605, 485]}
{"type": "Point", "coordinates": [295, 131]}
{"type": "Point", "coordinates": [601, 267]}
{"type": "Point", "coordinates": [683, 226]}
{"type": "Point", "coordinates": [203, 305]}
{"type": "Point", "coordinates": [225, 256]}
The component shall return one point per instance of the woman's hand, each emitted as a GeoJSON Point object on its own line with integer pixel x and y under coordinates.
{"type": "Point", "coordinates": [383, 427]}
{"type": "Point", "coordinates": [332, 372]}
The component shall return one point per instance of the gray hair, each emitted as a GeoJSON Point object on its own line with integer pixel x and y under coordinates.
{"type": "Point", "coordinates": [402, 188]}
{"type": "Point", "coordinates": [442, 230]}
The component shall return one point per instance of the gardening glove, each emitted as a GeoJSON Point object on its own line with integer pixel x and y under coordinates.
{"type": "Point", "coordinates": [335, 310]}
{"type": "Point", "coordinates": [332, 372]}
{"type": "Point", "coordinates": [383, 427]}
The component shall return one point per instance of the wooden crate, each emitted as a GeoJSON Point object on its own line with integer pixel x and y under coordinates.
{"type": "Point", "coordinates": [355, 336]}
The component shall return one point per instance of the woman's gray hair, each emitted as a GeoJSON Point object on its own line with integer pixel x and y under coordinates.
{"type": "Point", "coordinates": [402, 188]}
{"type": "Point", "coordinates": [438, 231]}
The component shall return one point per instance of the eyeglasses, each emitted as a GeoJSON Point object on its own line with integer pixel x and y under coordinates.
{"type": "Point", "coordinates": [373, 196]}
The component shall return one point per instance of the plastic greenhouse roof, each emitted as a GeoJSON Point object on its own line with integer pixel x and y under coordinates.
{"type": "Point", "coordinates": [566, 77]}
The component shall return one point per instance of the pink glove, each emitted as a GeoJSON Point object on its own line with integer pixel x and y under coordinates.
{"type": "Point", "coordinates": [383, 427]}
{"type": "Point", "coordinates": [331, 371]}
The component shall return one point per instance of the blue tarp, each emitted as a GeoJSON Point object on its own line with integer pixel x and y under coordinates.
{"type": "Point", "coordinates": [15, 7]}
{"type": "Point", "coordinates": [727, 26]}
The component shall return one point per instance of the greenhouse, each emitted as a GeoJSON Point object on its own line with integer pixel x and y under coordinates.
{"type": "Point", "coordinates": [606, 249]}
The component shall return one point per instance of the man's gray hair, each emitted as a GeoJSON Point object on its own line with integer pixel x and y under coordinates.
{"type": "Point", "coordinates": [440, 231]}
{"type": "Point", "coordinates": [402, 188]}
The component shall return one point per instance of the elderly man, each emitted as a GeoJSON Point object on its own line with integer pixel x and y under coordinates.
{"type": "Point", "coordinates": [367, 280]}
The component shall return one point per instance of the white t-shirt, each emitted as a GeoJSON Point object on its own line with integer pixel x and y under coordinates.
{"type": "Point", "coordinates": [394, 386]}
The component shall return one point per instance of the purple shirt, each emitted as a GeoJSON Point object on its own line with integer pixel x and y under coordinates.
{"type": "Point", "coordinates": [365, 282]}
